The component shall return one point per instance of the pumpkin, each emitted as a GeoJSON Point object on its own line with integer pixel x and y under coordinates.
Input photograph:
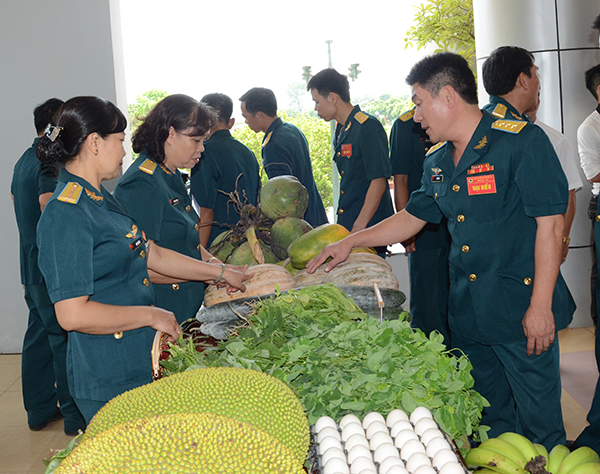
{"type": "Point", "coordinates": [360, 268]}
{"type": "Point", "coordinates": [283, 196]}
{"type": "Point", "coordinates": [267, 278]}
{"type": "Point", "coordinates": [309, 245]}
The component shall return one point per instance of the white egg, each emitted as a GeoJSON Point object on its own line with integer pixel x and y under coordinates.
{"type": "Point", "coordinates": [336, 466]}
{"type": "Point", "coordinates": [360, 464]}
{"type": "Point", "coordinates": [430, 434]}
{"type": "Point", "coordinates": [329, 442]}
{"type": "Point", "coordinates": [452, 468]}
{"type": "Point", "coordinates": [389, 462]}
{"type": "Point", "coordinates": [400, 426]}
{"type": "Point", "coordinates": [332, 453]}
{"type": "Point", "coordinates": [349, 418]}
{"type": "Point", "coordinates": [394, 416]}
{"type": "Point", "coordinates": [396, 470]}
{"type": "Point", "coordinates": [379, 438]}
{"type": "Point", "coordinates": [403, 437]}
{"type": "Point", "coordinates": [411, 447]}
{"type": "Point", "coordinates": [417, 460]}
{"type": "Point", "coordinates": [371, 417]}
{"type": "Point", "coordinates": [435, 445]}
{"type": "Point", "coordinates": [357, 452]}
{"type": "Point", "coordinates": [323, 422]}
{"type": "Point", "coordinates": [352, 429]}
{"type": "Point", "coordinates": [356, 440]}
{"type": "Point", "coordinates": [368, 471]}
{"type": "Point", "coordinates": [442, 457]}
{"type": "Point", "coordinates": [384, 451]}
{"type": "Point", "coordinates": [418, 413]}
{"type": "Point", "coordinates": [328, 431]}
{"type": "Point", "coordinates": [375, 427]}
{"type": "Point", "coordinates": [424, 424]}
{"type": "Point", "coordinates": [425, 470]}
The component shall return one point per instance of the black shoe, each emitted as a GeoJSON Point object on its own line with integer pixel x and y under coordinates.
{"type": "Point", "coordinates": [57, 416]}
{"type": "Point", "coordinates": [572, 445]}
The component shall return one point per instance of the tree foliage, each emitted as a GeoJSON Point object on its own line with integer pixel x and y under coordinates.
{"type": "Point", "coordinates": [387, 108]}
{"type": "Point", "coordinates": [143, 105]}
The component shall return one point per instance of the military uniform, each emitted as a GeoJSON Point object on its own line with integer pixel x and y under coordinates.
{"type": "Point", "coordinates": [285, 152]}
{"type": "Point", "coordinates": [158, 201]}
{"type": "Point", "coordinates": [502, 109]}
{"type": "Point", "coordinates": [361, 155]}
{"type": "Point", "coordinates": [89, 246]}
{"type": "Point", "coordinates": [44, 364]}
{"type": "Point", "coordinates": [503, 180]}
{"type": "Point", "coordinates": [428, 266]}
{"type": "Point", "coordinates": [223, 160]}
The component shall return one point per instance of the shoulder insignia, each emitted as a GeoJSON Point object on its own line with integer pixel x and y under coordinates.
{"type": "Point", "coordinates": [435, 147]}
{"type": "Point", "coordinates": [361, 117]}
{"type": "Point", "coordinates": [500, 111]}
{"type": "Point", "coordinates": [511, 126]}
{"type": "Point", "coordinates": [92, 195]}
{"type": "Point", "coordinates": [71, 193]}
{"type": "Point", "coordinates": [266, 140]}
{"type": "Point", "coordinates": [406, 116]}
{"type": "Point", "coordinates": [148, 166]}
{"type": "Point", "coordinates": [482, 143]}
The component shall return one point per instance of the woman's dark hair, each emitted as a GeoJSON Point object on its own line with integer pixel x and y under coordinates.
{"type": "Point", "coordinates": [184, 114]}
{"type": "Point", "coordinates": [73, 122]}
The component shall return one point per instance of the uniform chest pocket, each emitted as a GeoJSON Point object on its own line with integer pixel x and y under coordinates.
{"type": "Point", "coordinates": [486, 195]}
{"type": "Point", "coordinates": [436, 189]}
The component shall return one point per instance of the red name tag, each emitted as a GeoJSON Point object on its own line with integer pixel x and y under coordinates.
{"type": "Point", "coordinates": [485, 184]}
{"type": "Point", "coordinates": [347, 150]}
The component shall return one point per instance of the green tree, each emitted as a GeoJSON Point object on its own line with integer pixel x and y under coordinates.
{"type": "Point", "coordinates": [446, 23]}
{"type": "Point", "coordinates": [387, 108]}
{"type": "Point", "coordinates": [143, 105]}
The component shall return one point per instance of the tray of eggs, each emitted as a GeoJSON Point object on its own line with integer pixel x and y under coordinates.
{"type": "Point", "coordinates": [396, 444]}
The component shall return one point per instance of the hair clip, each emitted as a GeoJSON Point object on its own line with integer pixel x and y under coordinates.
{"type": "Point", "coordinates": [52, 132]}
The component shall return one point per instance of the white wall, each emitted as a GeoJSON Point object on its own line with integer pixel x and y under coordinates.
{"type": "Point", "coordinates": [58, 49]}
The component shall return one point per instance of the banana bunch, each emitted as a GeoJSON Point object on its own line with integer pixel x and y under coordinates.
{"type": "Point", "coordinates": [512, 453]}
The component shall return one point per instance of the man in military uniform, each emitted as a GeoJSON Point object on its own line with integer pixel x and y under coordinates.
{"type": "Point", "coordinates": [43, 361]}
{"type": "Point", "coordinates": [226, 165]}
{"type": "Point", "coordinates": [284, 148]}
{"type": "Point", "coordinates": [507, 298]}
{"type": "Point", "coordinates": [360, 153]}
{"type": "Point", "coordinates": [428, 250]}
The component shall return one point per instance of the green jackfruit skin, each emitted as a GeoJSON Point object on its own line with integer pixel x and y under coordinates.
{"type": "Point", "coordinates": [241, 394]}
{"type": "Point", "coordinates": [182, 443]}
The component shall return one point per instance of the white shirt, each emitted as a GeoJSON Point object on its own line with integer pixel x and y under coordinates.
{"type": "Point", "coordinates": [588, 142]}
{"type": "Point", "coordinates": [565, 153]}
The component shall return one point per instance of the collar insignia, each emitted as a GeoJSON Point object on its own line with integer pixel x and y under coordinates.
{"type": "Point", "coordinates": [165, 169]}
{"type": "Point", "coordinates": [266, 139]}
{"type": "Point", "coordinates": [482, 143]}
{"type": "Point", "coordinates": [348, 127]}
{"type": "Point", "coordinates": [93, 195]}
{"type": "Point", "coordinates": [518, 117]}
{"type": "Point", "coordinates": [435, 147]}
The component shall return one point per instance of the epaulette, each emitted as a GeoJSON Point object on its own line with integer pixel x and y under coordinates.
{"type": "Point", "coordinates": [266, 140]}
{"type": "Point", "coordinates": [71, 193]}
{"type": "Point", "coordinates": [500, 111]}
{"type": "Point", "coordinates": [148, 166]}
{"type": "Point", "coordinates": [406, 116]}
{"type": "Point", "coordinates": [435, 147]}
{"type": "Point", "coordinates": [361, 117]}
{"type": "Point", "coordinates": [511, 126]}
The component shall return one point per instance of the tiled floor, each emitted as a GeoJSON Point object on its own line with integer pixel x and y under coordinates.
{"type": "Point", "coordinates": [22, 451]}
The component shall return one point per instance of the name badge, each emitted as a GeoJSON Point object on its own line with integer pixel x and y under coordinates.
{"type": "Point", "coordinates": [485, 184]}
{"type": "Point", "coordinates": [347, 149]}
{"type": "Point", "coordinates": [174, 201]}
{"type": "Point", "coordinates": [437, 178]}
{"type": "Point", "coordinates": [134, 245]}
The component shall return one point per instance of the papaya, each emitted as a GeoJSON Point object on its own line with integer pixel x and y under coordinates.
{"type": "Point", "coordinates": [283, 196]}
{"type": "Point", "coordinates": [285, 231]}
{"type": "Point", "coordinates": [243, 255]}
{"type": "Point", "coordinates": [310, 244]}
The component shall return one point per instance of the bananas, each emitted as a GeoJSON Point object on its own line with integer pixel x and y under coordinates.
{"type": "Point", "coordinates": [521, 443]}
{"type": "Point", "coordinates": [586, 468]}
{"type": "Point", "coordinates": [583, 455]}
{"type": "Point", "coordinates": [504, 447]}
{"type": "Point", "coordinates": [556, 456]}
{"type": "Point", "coordinates": [481, 457]}
{"type": "Point", "coordinates": [542, 451]}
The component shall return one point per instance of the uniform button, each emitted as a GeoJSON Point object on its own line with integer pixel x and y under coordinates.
{"type": "Point", "coordinates": [338, 153]}
{"type": "Point", "coordinates": [341, 191]}
{"type": "Point", "coordinates": [118, 335]}
{"type": "Point", "coordinates": [199, 247]}
{"type": "Point", "coordinates": [188, 208]}
{"type": "Point", "coordinates": [146, 282]}
{"type": "Point", "coordinates": [465, 248]}
{"type": "Point", "coordinates": [340, 211]}
{"type": "Point", "coordinates": [175, 286]}
{"type": "Point", "coordinates": [598, 218]}
{"type": "Point", "coordinates": [472, 277]}
{"type": "Point", "coordinates": [342, 173]}
{"type": "Point", "coordinates": [527, 281]}
{"type": "Point", "coordinates": [142, 254]}
{"type": "Point", "coordinates": [460, 218]}
{"type": "Point", "coordinates": [196, 227]}
{"type": "Point", "coordinates": [456, 188]}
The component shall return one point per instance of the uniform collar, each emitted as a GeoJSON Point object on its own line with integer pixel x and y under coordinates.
{"type": "Point", "coordinates": [90, 192]}
{"type": "Point", "coordinates": [511, 112]}
{"type": "Point", "coordinates": [220, 133]}
{"type": "Point", "coordinates": [343, 130]}
{"type": "Point", "coordinates": [479, 143]}
{"type": "Point", "coordinates": [276, 124]}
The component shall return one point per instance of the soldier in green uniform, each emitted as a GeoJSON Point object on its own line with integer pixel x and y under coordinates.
{"type": "Point", "coordinates": [284, 148]}
{"type": "Point", "coordinates": [428, 250]}
{"type": "Point", "coordinates": [44, 356]}
{"type": "Point", "coordinates": [507, 298]}
{"type": "Point", "coordinates": [225, 166]}
{"type": "Point", "coordinates": [360, 153]}
{"type": "Point", "coordinates": [97, 262]}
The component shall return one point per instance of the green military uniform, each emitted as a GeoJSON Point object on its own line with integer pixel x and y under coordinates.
{"type": "Point", "coordinates": [158, 201]}
{"type": "Point", "coordinates": [507, 176]}
{"type": "Point", "coordinates": [44, 356]}
{"type": "Point", "coordinates": [89, 246]}
{"type": "Point", "coordinates": [428, 266]}
{"type": "Point", "coordinates": [502, 109]}
{"type": "Point", "coordinates": [285, 152]}
{"type": "Point", "coordinates": [361, 155]}
{"type": "Point", "coordinates": [223, 160]}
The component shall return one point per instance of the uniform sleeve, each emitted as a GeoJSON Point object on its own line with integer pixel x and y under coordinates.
{"type": "Point", "coordinates": [66, 244]}
{"type": "Point", "coordinates": [277, 161]}
{"type": "Point", "coordinates": [588, 143]}
{"type": "Point", "coordinates": [399, 143]}
{"type": "Point", "coordinates": [205, 180]}
{"type": "Point", "coordinates": [47, 180]}
{"type": "Point", "coordinates": [374, 149]}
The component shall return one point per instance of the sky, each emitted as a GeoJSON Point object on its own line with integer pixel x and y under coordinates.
{"type": "Point", "coordinates": [197, 47]}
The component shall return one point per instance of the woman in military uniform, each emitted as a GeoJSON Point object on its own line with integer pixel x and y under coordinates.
{"type": "Point", "coordinates": [153, 192]}
{"type": "Point", "coordinates": [97, 262]}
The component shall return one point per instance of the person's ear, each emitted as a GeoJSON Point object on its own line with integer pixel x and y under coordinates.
{"type": "Point", "coordinates": [92, 143]}
{"type": "Point", "coordinates": [230, 123]}
{"type": "Point", "coordinates": [171, 135]}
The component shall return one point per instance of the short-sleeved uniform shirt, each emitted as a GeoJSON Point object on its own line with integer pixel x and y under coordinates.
{"type": "Point", "coordinates": [160, 204]}
{"type": "Point", "coordinates": [588, 145]}
{"type": "Point", "coordinates": [507, 176]}
{"type": "Point", "coordinates": [30, 180]}
{"type": "Point", "coordinates": [285, 152]}
{"type": "Point", "coordinates": [224, 160]}
{"type": "Point", "coordinates": [361, 155]}
{"type": "Point", "coordinates": [89, 246]}
{"type": "Point", "coordinates": [408, 145]}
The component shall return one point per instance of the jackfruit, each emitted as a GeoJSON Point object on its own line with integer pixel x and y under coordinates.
{"type": "Point", "coordinates": [182, 443]}
{"type": "Point", "coordinates": [241, 394]}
